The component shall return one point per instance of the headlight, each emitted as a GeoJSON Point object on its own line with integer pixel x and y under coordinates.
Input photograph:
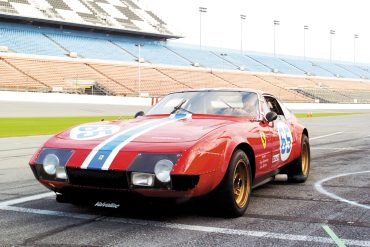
{"type": "Point", "coordinates": [50, 164]}
{"type": "Point", "coordinates": [61, 172]}
{"type": "Point", "coordinates": [163, 170]}
{"type": "Point", "coordinates": [142, 179]}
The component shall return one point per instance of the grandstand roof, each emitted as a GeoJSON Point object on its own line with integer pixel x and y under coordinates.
{"type": "Point", "coordinates": [120, 16]}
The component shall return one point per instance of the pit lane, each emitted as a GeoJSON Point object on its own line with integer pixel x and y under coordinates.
{"type": "Point", "coordinates": [279, 213]}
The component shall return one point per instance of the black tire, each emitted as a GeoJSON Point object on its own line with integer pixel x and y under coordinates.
{"type": "Point", "coordinates": [299, 169]}
{"type": "Point", "coordinates": [238, 177]}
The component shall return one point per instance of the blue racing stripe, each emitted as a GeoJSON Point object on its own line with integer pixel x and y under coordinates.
{"type": "Point", "coordinates": [101, 156]}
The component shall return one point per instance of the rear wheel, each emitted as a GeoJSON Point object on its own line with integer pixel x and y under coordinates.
{"type": "Point", "coordinates": [233, 193]}
{"type": "Point", "coordinates": [299, 169]}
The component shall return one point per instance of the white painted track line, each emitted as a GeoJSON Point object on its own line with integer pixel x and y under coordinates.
{"type": "Point", "coordinates": [26, 199]}
{"type": "Point", "coordinates": [323, 136]}
{"type": "Point", "coordinates": [148, 223]}
{"type": "Point", "coordinates": [318, 186]}
{"type": "Point", "coordinates": [339, 149]}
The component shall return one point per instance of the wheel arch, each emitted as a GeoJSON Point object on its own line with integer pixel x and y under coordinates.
{"type": "Point", "coordinates": [248, 150]}
{"type": "Point", "coordinates": [305, 132]}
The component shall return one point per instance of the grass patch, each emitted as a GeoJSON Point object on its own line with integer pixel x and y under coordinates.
{"type": "Point", "coordinates": [328, 114]}
{"type": "Point", "coordinates": [10, 127]}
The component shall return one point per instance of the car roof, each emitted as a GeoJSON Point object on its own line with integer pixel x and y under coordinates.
{"type": "Point", "coordinates": [225, 90]}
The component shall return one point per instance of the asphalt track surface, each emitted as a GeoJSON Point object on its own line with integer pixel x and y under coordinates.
{"type": "Point", "coordinates": [325, 211]}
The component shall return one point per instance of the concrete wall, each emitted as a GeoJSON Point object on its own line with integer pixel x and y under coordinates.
{"type": "Point", "coordinates": [21, 104]}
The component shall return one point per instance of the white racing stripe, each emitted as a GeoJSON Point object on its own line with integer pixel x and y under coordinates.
{"type": "Point", "coordinates": [207, 229]}
{"type": "Point", "coordinates": [115, 151]}
{"type": "Point", "coordinates": [92, 154]}
{"type": "Point", "coordinates": [319, 137]}
{"type": "Point", "coordinates": [318, 186]}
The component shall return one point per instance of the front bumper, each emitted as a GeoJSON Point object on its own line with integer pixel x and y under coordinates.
{"type": "Point", "coordinates": [101, 181]}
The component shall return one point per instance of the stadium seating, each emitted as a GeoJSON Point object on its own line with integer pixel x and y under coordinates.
{"type": "Point", "coordinates": [243, 62]}
{"type": "Point", "coordinates": [325, 95]}
{"type": "Point", "coordinates": [277, 65]}
{"type": "Point", "coordinates": [140, 80]}
{"type": "Point", "coordinates": [30, 73]}
{"type": "Point", "coordinates": [358, 96]}
{"type": "Point", "coordinates": [309, 67]}
{"type": "Point", "coordinates": [62, 74]}
{"type": "Point", "coordinates": [342, 83]}
{"type": "Point", "coordinates": [357, 70]}
{"type": "Point", "coordinates": [28, 41]}
{"type": "Point", "coordinates": [96, 49]}
{"type": "Point", "coordinates": [260, 82]}
{"type": "Point", "coordinates": [202, 58]}
{"type": "Point", "coordinates": [49, 41]}
{"type": "Point", "coordinates": [335, 69]}
{"type": "Point", "coordinates": [13, 79]}
{"type": "Point", "coordinates": [150, 51]}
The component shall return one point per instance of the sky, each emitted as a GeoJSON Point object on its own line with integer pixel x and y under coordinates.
{"type": "Point", "coordinates": [221, 25]}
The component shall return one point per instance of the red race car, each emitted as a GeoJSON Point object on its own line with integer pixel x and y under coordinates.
{"type": "Point", "coordinates": [215, 142]}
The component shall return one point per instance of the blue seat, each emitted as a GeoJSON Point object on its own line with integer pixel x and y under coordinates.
{"type": "Point", "coordinates": [28, 42]}
{"type": "Point", "coordinates": [93, 48]}
{"type": "Point", "coordinates": [308, 67]}
{"type": "Point", "coordinates": [242, 61]}
{"type": "Point", "coordinates": [335, 69]}
{"type": "Point", "coordinates": [204, 58]}
{"type": "Point", "coordinates": [275, 63]}
{"type": "Point", "coordinates": [151, 51]}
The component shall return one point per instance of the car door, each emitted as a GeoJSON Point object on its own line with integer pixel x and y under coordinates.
{"type": "Point", "coordinates": [283, 140]}
{"type": "Point", "coordinates": [266, 140]}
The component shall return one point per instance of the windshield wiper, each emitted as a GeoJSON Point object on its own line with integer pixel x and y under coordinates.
{"type": "Point", "coordinates": [178, 107]}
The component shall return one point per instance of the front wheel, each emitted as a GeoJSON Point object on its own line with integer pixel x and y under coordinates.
{"type": "Point", "coordinates": [299, 169]}
{"type": "Point", "coordinates": [233, 193]}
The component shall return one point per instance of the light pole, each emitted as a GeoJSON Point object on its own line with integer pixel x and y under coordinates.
{"type": "Point", "coordinates": [276, 23]}
{"type": "Point", "coordinates": [305, 28]}
{"type": "Point", "coordinates": [242, 18]}
{"type": "Point", "coordinates": [332, 32]}
{"type": "Point", "coordinates": [201, 10]}
{"type": "Point", "coordinates": [223, 55]}
{"type": "Point", "coordinates": [356, 36]}
{"type": "Point", "coordinates": [139, 66]}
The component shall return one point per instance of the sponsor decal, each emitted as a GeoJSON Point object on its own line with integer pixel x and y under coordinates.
{"type": "Point", "coordinates": [102, 156]}
{"type": "Point", "coordinates": [90, 132]}
{"type": "Point", "coordinates": [275, 158]}
{"type": "Point", "coordinates": [263, 139]}
{"type": "Point", "coordinates": [286, 140]}
{"type": "Point", "coordinates": [264, 161]}
{"type": "Point", "coordinates": [107, 205]}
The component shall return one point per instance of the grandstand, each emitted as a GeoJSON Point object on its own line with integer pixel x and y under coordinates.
{"type": "Point", "coordinates": [115, 47]}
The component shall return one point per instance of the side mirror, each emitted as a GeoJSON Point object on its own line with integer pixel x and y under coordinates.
{"type": "Point", "coordinates": [139, 114]}
{"type": "Point", "coordinates": [271, 116]}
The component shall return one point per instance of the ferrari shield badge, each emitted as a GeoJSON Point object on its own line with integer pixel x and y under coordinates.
{"type": "Point", "coordinates": [263, 138]}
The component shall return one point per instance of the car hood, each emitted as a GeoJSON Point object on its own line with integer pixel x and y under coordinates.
{"type": "Point", "coordinates": [160, 129]}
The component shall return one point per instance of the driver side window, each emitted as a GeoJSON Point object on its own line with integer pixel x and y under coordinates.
{"type": "Point", "coordinates": [274, 105]}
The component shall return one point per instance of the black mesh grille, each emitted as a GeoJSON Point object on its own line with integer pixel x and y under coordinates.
{"type": "Point", "coordinates": [98, 178]}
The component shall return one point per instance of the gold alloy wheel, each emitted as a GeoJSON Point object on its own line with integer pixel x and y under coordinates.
{"type": "Point", "coordinates": [241, 184]}
{"type": "Point", "coordinates": [305, 159]}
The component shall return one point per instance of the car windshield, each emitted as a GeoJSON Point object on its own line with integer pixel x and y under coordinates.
{"type": "Point", "coordinates": [227, 103]}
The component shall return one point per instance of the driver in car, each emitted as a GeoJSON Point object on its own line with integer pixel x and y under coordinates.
{"type": "Point", "coordinates": [249, 105]}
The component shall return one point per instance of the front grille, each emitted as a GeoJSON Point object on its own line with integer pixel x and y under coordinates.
{"type": "Point", "coordinates": [98, 178]}
{"type": "Point", "coordinates": [184, 182]}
